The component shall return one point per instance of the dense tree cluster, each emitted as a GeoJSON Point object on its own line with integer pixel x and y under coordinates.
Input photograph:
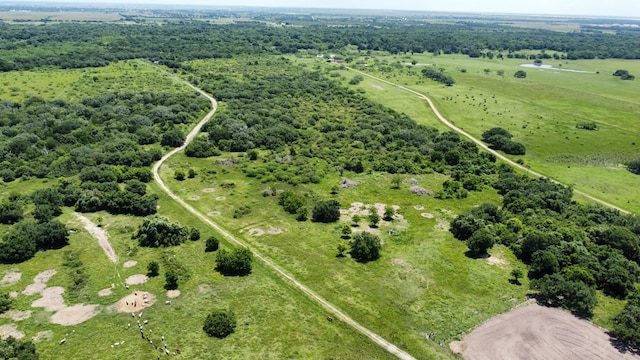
{"type": "Point", "coordinates": [25, 238]}
{"type": "Point", "coordinates": [439, 76]}
{"type": "Point", "coordinates": [158, 231]}
{"type": "Point", "coordinates": [572, 249]}
{"type": "Point", "coordinates": [624, 75]}
{"type": "Point", "coordinates": [234, 263]}
{"type": "Point", "coordinates": [10, 348]}
{"type": "Point", "coordinates": [500, 139]}
{"type": "Point", "coordinates": [220, 323]}
{"type": "Point", "coordinates": [326, 211]}
{"type": "Point", "coordinates": [365, 247]}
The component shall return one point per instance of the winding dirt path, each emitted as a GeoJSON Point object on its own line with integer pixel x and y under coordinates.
{"type": "Point", "coordinates": [393, 349]}
{"type": "Point", "coordinates": [483, 145]}
{"type": "Point", "coordinates": [99, 235]}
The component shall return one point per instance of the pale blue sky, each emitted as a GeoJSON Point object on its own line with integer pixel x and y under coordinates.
{"type": "Point", "coordinates": [620, 8]}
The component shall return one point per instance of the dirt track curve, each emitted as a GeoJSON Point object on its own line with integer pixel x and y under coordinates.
{"type": "Point", "coordinates": [98, 234]}
{"type": "Point", "coordinates": [391, 348]}
{"type": "Point", "coordinates": [483, 145]}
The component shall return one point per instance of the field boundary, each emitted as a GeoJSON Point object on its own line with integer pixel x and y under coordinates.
{"type": "Point", "coordinates": [483, 145]}
{"type": "Point", "coordinates": [388, 346]}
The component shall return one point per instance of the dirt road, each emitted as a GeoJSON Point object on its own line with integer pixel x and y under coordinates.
{"type": "Point", "coordinates": [99, 235]}
{"type": "Point", "coordinates": [336, 313]}
{"type": "Point", "coordinates": [483, 145]}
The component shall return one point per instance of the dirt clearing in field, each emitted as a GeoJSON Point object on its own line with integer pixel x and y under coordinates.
{"type": "Point", "coordinates": [99, 234]}
{"type": "Point", "coordinates": [214, 213]}
{"type": "Point", "coordinates": [130, 264]}
{"type": "Point", "coordinates": [105, 292]}
{"type": "Point", "coordinates": [11, 278]}
{"type": "Point", "coordinates": [221, 198]}
{"type": "Point", "coordinates": [74, 315]}
{"type": "Point", "coordinates": [135, 302]}
{"type": "Point", "coordinates": [256, 232]}
{"type": "Point", "coordinates": [172, 294]}
{"type": "Point", "coordinates": [535, 332]}
{"type": "Point", "coordinates": [42, 336]}
{"type": "Point", "coordinates": [39, 282]}
{"type": "Point", "coordinates": [136, 279]}
{"type": "Point", "coordinates": [194, 197]}
{"type": "Point", "coordinates": [51, 299]}
{"type": "Point", "coordinates": [17, 315]}
{"type": "Point", "coordinates": [10, 330]}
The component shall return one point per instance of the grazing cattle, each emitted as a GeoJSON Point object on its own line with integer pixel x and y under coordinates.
{"type": "Point", "coordinates": [168, 302]}
{"type": "Point", "coordinates": [64, 340]}
{"type": "Point", "coordinates": [329, 318]}
{"type": "Point", "coordinates": [146, 321]}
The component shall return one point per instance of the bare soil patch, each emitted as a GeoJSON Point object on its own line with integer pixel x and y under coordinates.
{"type": "Point", "coordinates": [214, 213]}
{"type": "Point", "coordinates": [194, 197]}
{"type": "Point", "coordinates": [42, 336]}
{"type": "Point", "coordinates": [51, 299]}
{"type": "Point", "coordinates": [10, 330]}
{"type": "Point", "coordinates": [17, 315]}
{"type": "Point", "coordinates": [348, 183]}
{"type": "Point", "coordinates": [256, 232]}
{"type": "Point", "coordinates": [538, 333]}
{"type": "Point", "coordinates": [221, 198]}
{"type": "Point", "coordinates": [39, 282]}
{"type": "Point", "coordinates": [172, 294]}
{"type": "Point", "coordinates": [442, 225]}
{"type": "Point", "coordinates": [100, 235]}
{"type": "Point", "coordinates": [130, 264]}
{"type": "Point", "coordinates": [427, 215]}
{"type": "Point", "coordinates": [136, 279]}
{"type": "Point", "coordinates": [496, 260]}
{"type": "Point", "coordinates": [11, 278]}
{"type": "Point", "coordinates": [417, 190]}
{"type": "Point", "coordinates": [13, 294]}
{"type": "Point", "coordinates": [274, 231]}
{"type": "Point", "coordinates": [135, 301]}
{"type": "Point", "coordinates": [419, 207]}
{"type": "Point", "coordinates": [45, 276]}
{"type": "Point", "coordinates": [74, 315]}
{"type": "Point", "coordinates": [208, 190]}
{"type": "Point", "coordinates": [105, 292]}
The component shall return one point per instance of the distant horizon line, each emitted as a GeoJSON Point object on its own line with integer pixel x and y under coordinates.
{"type": "Point", "coordinates": [144, 5]}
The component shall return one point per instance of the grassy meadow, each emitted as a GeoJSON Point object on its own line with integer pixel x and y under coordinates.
{"type": "Point", "coordinates": [541, 111]}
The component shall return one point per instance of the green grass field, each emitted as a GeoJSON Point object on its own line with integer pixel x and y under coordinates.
{"type": "Point", "coordinates": [541, 111]}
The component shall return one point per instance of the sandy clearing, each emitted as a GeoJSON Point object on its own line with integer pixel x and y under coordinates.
{"type": "Point", "coordinates": [419, 207]}
{"type": "Point", "coordinates": [221, 198]}
{"type": "Point", "coordinates": [194, 197]}
{"type": "Point", "coordinates": [51, 299]}
{"type": "Point", "coordinates": [45, 276]}
{"type": "Point", "coordinates": [214, 213]}
{"type": "Point", "coordinates": [100, 235]}
{"type": "Point", "coordinates": [135, 302]}
{"type": "Point", "coordinates": [427, 215]}
{"type": "Point", "coordinates": [17, 315]}
{"type": "Point", "coordinates": [34, 288]}
{"type": "Point", "coordinates": [10, 330]}
{"type": "Point", "coordinates": [74, 315]}
{"type": "Point", "coordinates": [442, 225]}
{"type": "Point", "coordinates": [105, 292]}
{"type": "Point", "coordinates": [172, 294]}
{"type": "Point", "coordinates": [274, 231]}
{"type": "Point", "coordinates": [496, 260]}
{"type": "Point", "coordinates": [256, 232]}
{"type": "Point", "coordinates": [208, 190]}
{"type": "Point", "coordinates": [130, 264]}
{"type": "Point", "coordinates": [136, 279]}
{"type": "Point", "coordinates": [13, 294]}
{"type": "Point", "coordinates": [11, 278]}
{"type": "Point", "coordinates": [42, 336]}
{"type": "Point", "coordinates": [535, 332]}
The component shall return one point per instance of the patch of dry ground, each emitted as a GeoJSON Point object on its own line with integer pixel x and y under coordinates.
{"type": "Point", "coordinates": [538, 333]}
{"type": "Point", "coordinates": [221, 198]}
{"type": "Point", "coordinates": [105, 292]}
{"type": "Point", "coordinates": [214, 213]}
{"type": "Point", "coordinates": [42, 336]}
{"type": "Point", "coordinates": [194, 197]}
{"type": "Point", "coordinates": [10, 330]}
{"type": "Point", "coordinates": [39, 282]}
{"type": "Point", "coordinates": [172, 294]}
{"type": "Point", "coordinates": [130, 264]}
{"type": "Point", "coordinates": [74, 315]}
{"type": "Point", "coordinates": [256, 232]}
{"type": "Point", "coordinates": [100, 235]}
{"type": "Point", "coordinates": [427, 215]}
{"type": "Point", "coordinates": [11, 278]}
{"type": "Point", "coordinates": [208, 190]}
{"type": "Point", "coordinates": [135, 301]}
{"type": "Point", "coordinates": [17, 315]}
{"type": "Point", "coordinates": [136, 279]}
{"type": "Point", "coordinates": [376, 86]}
{"type": "Point", "coordinates": [496, 260]}
{"type": "Point", "coordinates": [51, 299]}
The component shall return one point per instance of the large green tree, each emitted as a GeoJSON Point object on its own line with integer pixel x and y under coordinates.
{"type": "Point", "coordinates": [365, 247]}
{"type": "Point", "coordinates": [220, 323]}
{"type": "Point", "coordinates": [158, 231]}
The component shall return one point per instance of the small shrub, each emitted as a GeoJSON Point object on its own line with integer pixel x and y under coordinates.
{"type": "Point", "coordinates": [194, 235]}
{"type": "Point", "coordinates": [212, 244]}
{"type": "Point", "coordinates": [153, 269]}
{"type": "Point", "coordinates": [179, 175]}
{"type": "Point", "coordinates": [220, 323]}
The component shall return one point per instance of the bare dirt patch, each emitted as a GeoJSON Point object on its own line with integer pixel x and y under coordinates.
{"type": "Point", "coordinates": [11, 278]}
{"type": "Point", "coordinates": [135, 301]}
{"type": "Point", "coordinates": [417, 190]}
{"type": "Point", "coordinates": [419, 207]}
{"type": "Point", "coordinates": [130, 264]}
{"type": "Point", "coordinates": [214, 213]}
{"type": "Point", "coordinates": [538, 333]}
{"type": "Point", "coordinates": [42, 336]}
{"type": "Point", "coordinates": [221, 198]}
{"type": "Point", "coordinates": [39, 283]}
{"type": "Point", "coordinates": [427, 215]}
{"type": "Point", "coordinates": [208, 190]}
{"type": "Point", "coordinates": [442, 225]}
{"type": "Point", "coordinates": [172, 294]}
{"type": "Point", "coordinates": [194, 197]}
{"type": "Point", "coordinates": [496, 260]}
{"type": "Point", "coordinates": [13, 294]}
{"type": "Point", "coordinates": [348, 183]}
{"type": "Point", "coordinates": [256, 232]}
{"type": "Point", "coordinates": [10, 330]}
{"type": "Point", "coordinates": [105, 292]}
{"type": "Point", "coordinates": [74, 315]}
{"type": "Point", "coordinates": [45, 276]}
{"type": "Point", "coordinates": [51, 299]}
{"type": "Point", "coordinates": [457, 347]}
{"type": "Point", "coordinates": [17, 315]}
{"type": "Point", "coordinates": [136, 279]}
{"type": "Point", "coordinates": [100, 235]}
{"type": "Point", "coordinates": [274, 231]}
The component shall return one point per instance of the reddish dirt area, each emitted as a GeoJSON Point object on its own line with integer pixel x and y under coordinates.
{"type": "Point", "coordinates": [534, 332]}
